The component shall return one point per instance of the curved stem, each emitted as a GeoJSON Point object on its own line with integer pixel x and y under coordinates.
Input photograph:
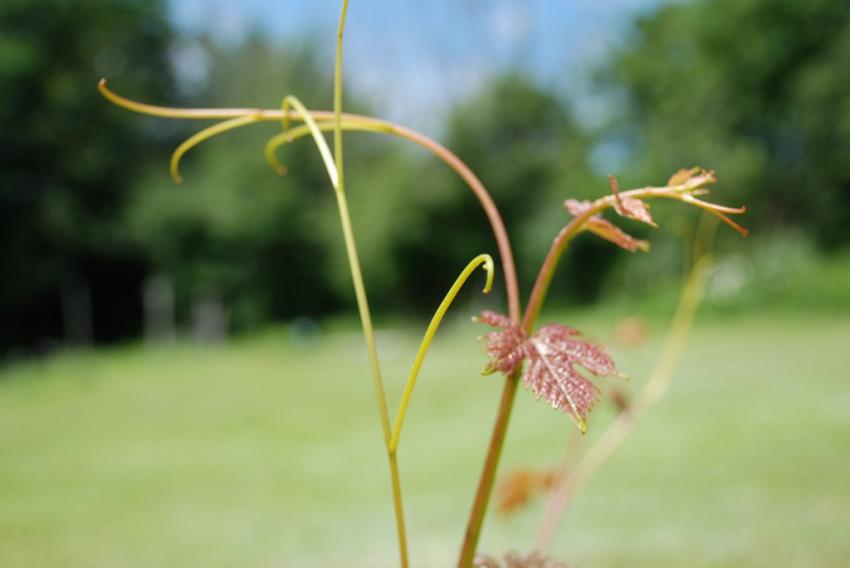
{"type": "Point", "coordinates": [482, 259]}
{"type": "Point", "coordinates": [547, 269]}
{"type": "Point", "coordinates": [291, 135]}
{"type": "Point", "coordinates": [392, 448]}
{"type": "Point", "coordinates": [375, 125]}
{"type": "Point", "coordinates": [367, 124]}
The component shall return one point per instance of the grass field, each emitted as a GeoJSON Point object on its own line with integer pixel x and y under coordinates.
{"type": "Point", "coordinates": [261, 453]}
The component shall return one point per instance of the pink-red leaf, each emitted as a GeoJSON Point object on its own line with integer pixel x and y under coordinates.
{"type": "Point", "coordinates": [610, 232]}
{"type": "Point", "coordinates": [575, 207]}
{"type": "Point", "coordinates": [553, 353]}
{"type": "Point", "coordinates": [682, 176]}
{"type": "Point", "coordinates": [507, 348]}
{"type": "Point", "coordinates": [605, 229]}
{"type": "Point", "coordinates": [630, 207]}
{"type": "Point", "coordinates": [691, 179]}
{"type": "Point", "coordinates": [634, 209]}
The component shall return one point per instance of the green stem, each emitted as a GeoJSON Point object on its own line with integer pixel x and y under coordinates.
{"type": "Point", "coordinates": [365, 315]}
{"type": "Point", "coordinates": [360, 293]}
{"type": "Point", "coordinates": [398, 507]}
{"type": "Point", "coordinates": [488, 474]}
{"type": "Point", "coordinates": [338, 96]}
{"type": "Point", "coordinates": [547, 269]}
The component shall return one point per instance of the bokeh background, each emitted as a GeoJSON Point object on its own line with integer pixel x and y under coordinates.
{"type": "Point", "coordinates": [181, 377]}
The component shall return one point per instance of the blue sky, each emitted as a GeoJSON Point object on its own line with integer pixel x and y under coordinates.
{"type": "Point", "coordinates": [415, 59]}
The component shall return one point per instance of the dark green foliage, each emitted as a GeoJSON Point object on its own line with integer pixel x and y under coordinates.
{"type": "Point", "coordinates": [233, 229]}
{"type": "Point", "coordinates": [755, 89]}
{"type": "Point", "coordinates": [269, 246]}
{"type": "Point", "coordinates": [66, 159]}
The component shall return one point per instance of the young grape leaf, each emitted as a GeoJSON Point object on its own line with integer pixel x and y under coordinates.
{"type": "Point", "coordinates": [553, 353]}
{"type": "Point", "coordinates": [507, 348]}
{"type": "Point", "coordinates": [630, 207]}
{"type": "Point", "coordinates": [691, 179]}
{"type": "Point", "coordinates": [682, 176]}
{"type": "Point", "coordinates": [605, 229]}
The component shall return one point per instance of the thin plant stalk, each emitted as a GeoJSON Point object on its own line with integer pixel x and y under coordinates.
{"type": "Point", "coordinates": [360, 293]}
{"type": "Point", "coordinates": [571, 479]}
{"type": "Point", "coordinates": [336, 178]}
{"type": "Point", "coordinates": [331, 165]}
{"type": "Point", "coordinates": [488, 473]}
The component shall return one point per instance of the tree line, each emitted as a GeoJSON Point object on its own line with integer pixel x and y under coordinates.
{"type": "Point", "coordinates": [93, 230]}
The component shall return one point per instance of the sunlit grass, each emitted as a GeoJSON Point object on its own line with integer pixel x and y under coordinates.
{"type": "Point", "coordinates": [260, 453]}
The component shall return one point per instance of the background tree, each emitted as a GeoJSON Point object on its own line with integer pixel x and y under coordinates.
{"type": "Point", "coordinates": [67, 160]}
{"type": "Point", "coordinates": [267, 247]}
{"type": "Point", "coordinates": [755, 89]}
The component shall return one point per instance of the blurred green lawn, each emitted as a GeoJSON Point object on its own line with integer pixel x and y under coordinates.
{"type": "Point", "coordinates": [259, 453]}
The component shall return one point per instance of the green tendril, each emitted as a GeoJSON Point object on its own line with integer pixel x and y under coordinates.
{"type": "Point", "coordinates": [484, 260]}
{"type": "Point", "coordinates": [206, 134]}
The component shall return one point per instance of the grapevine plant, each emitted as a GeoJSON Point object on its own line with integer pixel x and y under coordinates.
{"type": "Point", "coordinates": [546, 359]}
